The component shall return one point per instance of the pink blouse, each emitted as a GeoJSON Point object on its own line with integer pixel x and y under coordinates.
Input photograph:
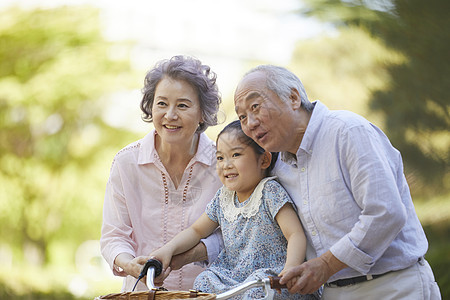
{"type": "Point", "coordinates": [143, 210]}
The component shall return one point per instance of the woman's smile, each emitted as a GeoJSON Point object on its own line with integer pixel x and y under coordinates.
{"type": "Point", "coordinates": [172, 127]}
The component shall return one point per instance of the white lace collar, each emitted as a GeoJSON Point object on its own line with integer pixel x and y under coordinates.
{"type": "Point", "coordinates": [250, 206]}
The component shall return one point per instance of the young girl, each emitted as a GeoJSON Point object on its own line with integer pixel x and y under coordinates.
{"type": "Point", "coordinates": [261, 230]}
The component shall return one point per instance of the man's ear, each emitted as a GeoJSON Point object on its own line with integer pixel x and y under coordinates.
{"type": "Point", "coordinates": [295, 99]}
{"type": "Point", "coordinates": [266, 159]}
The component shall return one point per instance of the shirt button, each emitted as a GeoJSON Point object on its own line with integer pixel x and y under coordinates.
{"type": "Point", "coordinates": [305, 202]}
{"type": "Point", "coordinates": [314, 233]}
{"type": "Point", "coordinates": [303, 169]}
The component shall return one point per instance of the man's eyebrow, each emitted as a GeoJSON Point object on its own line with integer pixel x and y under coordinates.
{"type": "Point", "coordinates": [252, 95]}
{"type": "Point", "coordinates": [249, 97]}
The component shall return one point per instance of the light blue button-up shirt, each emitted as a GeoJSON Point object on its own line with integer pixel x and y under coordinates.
{"type": "Point", "coordinates": [352, 197]}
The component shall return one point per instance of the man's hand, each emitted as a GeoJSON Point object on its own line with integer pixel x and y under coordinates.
{"type": "Point", "coordinates": [311, 274]}
{"type": "Point", "coordinates": [196, 253]}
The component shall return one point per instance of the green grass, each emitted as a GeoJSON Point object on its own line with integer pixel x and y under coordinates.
{"type": "Point", "coordinates": [438, 255]}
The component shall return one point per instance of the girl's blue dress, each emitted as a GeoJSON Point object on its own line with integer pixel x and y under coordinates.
{"type": "Point", "coordinates": [254, 245]}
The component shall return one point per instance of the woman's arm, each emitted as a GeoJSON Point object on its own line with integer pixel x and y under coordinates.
{"type": "Point", "coordinates": [116, 244]}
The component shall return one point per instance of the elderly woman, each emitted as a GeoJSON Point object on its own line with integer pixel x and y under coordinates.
{"type": "Point", "coordinates": [160, 185]}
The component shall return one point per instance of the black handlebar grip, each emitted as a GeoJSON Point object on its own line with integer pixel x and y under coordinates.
{"type": "Point", "coordinates": [156, 264]}
{"type": "Point", "coordinates": [275, 283]}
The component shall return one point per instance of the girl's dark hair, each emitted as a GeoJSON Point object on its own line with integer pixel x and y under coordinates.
{"type": "Point", "coordinates": [191, 70]}
{"type": "Point", "coordinates": [243, 138]}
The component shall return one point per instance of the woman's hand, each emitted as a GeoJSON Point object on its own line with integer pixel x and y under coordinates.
{"type": "Point", "coordinates": [129, 264]}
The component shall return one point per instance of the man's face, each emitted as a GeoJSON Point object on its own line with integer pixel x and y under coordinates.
{"type": "Point", "coordinates": [264, 116]}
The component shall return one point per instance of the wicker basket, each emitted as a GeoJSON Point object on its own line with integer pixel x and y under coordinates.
{"type": "Point", "coordinates": [157, 295]}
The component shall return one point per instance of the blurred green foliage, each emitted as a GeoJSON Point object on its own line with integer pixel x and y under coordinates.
{"type": "Point", "coordinates": [54, 67]}
{"type": "Point", "coordinates": [342, 69]}
{"type": "Point", "coordinates": [414, 101]}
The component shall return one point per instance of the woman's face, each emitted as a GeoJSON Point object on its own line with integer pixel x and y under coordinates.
{"type": "Point", "coordinates": [176, 111]}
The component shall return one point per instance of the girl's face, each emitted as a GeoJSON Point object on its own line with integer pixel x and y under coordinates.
{"type": "Point", "coordinates": [176, 111]}
{"type": "Point", "coordinates": [239, 167]}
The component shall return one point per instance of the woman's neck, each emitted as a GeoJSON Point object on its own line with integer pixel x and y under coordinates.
{"type": "Point", "coordinates": [176, 153]}
{"type": "Point", "coordinates": [176, 157]}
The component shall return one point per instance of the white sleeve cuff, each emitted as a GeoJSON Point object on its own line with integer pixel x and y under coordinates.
{"type": "Point", "coordinates": [348, 253]}
{"type": "Point", "coordinates": [214, 244]}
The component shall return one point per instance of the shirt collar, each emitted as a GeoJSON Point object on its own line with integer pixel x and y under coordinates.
{"type": "Point", "coordinates": [314, 124]}
{"type": "Point", "coordinates": [205, 150]}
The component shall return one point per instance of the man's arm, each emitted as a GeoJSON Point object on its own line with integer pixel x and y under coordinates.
{"type": "Point", "coordinates": [204, 252]}
{"type": "Point", "coordinates": [195, 254]}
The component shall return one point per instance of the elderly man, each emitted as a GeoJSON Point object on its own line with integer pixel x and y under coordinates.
{"type": "Point", "coordinates": [347, 181]}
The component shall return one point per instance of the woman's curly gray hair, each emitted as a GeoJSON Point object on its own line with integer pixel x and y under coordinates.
{"type": "Point", "coordinates": [191, 70]}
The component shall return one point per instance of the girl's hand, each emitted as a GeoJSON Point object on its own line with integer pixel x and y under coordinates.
{"type": "Point", "coordinates": [159, 280]}
{"type": "Point", "coordinates": [292, 281]}
{"type": "Point", "coordinates": [164, 257]}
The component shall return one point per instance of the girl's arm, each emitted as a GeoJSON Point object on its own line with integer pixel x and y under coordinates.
{"type": "Point", "coordinates": [292, 229]}
{"type": "Point", "coordinates": [185, 240]}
